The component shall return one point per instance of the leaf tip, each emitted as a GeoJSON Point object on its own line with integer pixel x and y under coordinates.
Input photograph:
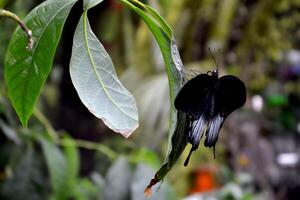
{"type": "Point", "coordinates": [22, 114]}
{"type": "Point", "coordinates": [148, 192]}
{"type": "Point", "coordinates": [128, 133]}
{"type": "Point", "coordinates": [148, 189]}
{"type": "Point", "coordinates": [24, 121]}
{"type": "Point", "coordinates": [124, 132]}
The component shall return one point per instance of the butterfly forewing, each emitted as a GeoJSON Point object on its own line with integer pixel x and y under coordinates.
{"type": "Point", "coordinates": [195, 94]}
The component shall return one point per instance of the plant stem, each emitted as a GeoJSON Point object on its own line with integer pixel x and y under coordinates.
{"type": "Point", "coordinates": [91, 146]}
{"type": "Point", "coordinates": [43, 119]}
{"type": "Point", "coordinates": [5, 13]}
{"type": "Point", "coordinates": [79, 143]}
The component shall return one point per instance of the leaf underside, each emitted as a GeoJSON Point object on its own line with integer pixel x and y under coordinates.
{"type": "Point", "coordinates": [97, 84]}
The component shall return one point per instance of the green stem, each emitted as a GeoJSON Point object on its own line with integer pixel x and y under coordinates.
{"type": "Point", "coordinates": [78, 143]}
{"type": "Point", "coordinates": [91, 146]}
{"type": "Point", "coordinates": [43, 119]}
{"type": "Point", "coordinates": [5, 13]}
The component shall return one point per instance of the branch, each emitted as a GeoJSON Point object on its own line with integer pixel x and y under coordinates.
{"type": "Point", "coordinates": [5, 13]}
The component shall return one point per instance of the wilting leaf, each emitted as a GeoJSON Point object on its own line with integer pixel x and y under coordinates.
{"type": "Point", "coordinates": [97, 84]}
{"type": "Point", "coordinates": [26, 71]}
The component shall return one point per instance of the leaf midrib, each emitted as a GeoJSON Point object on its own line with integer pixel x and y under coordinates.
{"type": "Point", "coordinates": [95, 70]}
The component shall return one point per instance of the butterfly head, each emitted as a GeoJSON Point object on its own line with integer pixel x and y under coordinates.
{"type": "Point", "coordinates": [215, 73]}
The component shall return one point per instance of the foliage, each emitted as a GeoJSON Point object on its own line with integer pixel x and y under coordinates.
{"type": "Point", "coordinates": [253, 36]}
{"type": "Point", "coordinates": [26, 72]}
{"type": "Point", "coordinates": [91, 69]}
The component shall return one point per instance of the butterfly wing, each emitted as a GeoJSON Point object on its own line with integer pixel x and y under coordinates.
{"type": "Point", "coordinates": [193, 96]}
{"type": "Point", "coordinates": [231, 94]}
{"type": "Point", "coordinates": [195, 132]}
{"type": "Point", "coordinates": [213, 129]}
{"type": "Point", "coordinates": [208, 101]}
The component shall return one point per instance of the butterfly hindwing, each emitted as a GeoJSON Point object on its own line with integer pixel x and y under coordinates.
{"type": "Point", "coordinates": [213, 129]}
{"type": "Point", "coordinates": [230, 95]}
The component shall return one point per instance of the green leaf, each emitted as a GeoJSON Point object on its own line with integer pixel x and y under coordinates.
{"type": "Point", "coordinates": [96, 82]}
{"type": "Point", "coordinates": [173, 65]}
{"type": "Point", "coordinates": [26, 71]}
{"type": "Point", "coordinates": [87, 4]}
{"type": "Point", "coordinates": [63, 166]}
{"type": "Point", "coordinates": [57, 166]}
{"type": "Point", "coordinates": [85, 189]}
{"type": "Point", "coordinates": [160, 20]}
{"type": "Point", "coordinates": [168, 48]}
{"type": "Point", "coordinates": [72, 158]}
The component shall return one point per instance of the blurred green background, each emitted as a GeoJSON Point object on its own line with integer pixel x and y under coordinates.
{"type": "Point", "coordinates": [258, 153]}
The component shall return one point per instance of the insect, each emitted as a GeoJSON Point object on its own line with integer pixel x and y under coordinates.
{"type": "Point", "coordinates": [208, 100]}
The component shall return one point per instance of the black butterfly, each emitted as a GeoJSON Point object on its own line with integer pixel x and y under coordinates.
{"type": "Point", "coordinates": [208, 100]}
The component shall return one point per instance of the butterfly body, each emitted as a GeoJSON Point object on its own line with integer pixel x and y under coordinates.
{"type": "Point", "coordinates": [208, 100]}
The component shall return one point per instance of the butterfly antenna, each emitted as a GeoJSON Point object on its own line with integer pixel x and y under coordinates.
{"type": "Point", "coordinates": [215, 61]}
{"type": "Point", "coordinates": [219, 58]}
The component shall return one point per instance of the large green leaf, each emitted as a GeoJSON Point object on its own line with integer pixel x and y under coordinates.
{"type": "Point", "coordinates": [97, 84]}
{"type": "Point", "coordinates": [173, 65]}
{"type": "Point", "coordinates": [26, 71]}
